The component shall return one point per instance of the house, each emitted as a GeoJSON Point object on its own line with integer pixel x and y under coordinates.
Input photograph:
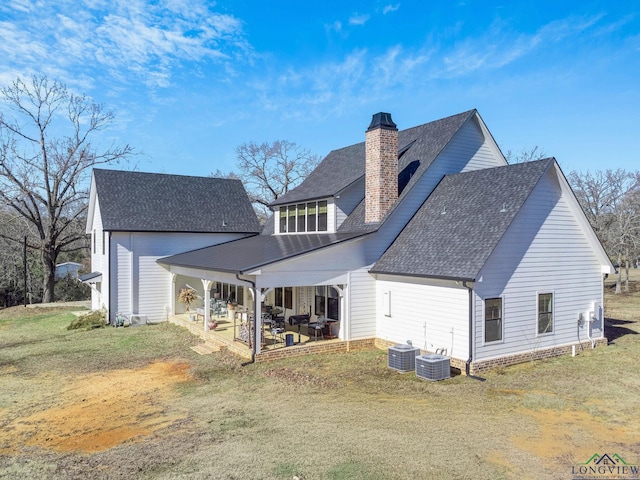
{"type": "Point", "coordinates": [136, 218]}
{"type": "Point", "coordinates": [424, 235]}
{"type": "Point", "coordinates": [67, 269]}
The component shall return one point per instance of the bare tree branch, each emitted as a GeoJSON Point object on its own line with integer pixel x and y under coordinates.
{"type": "Point", "coordinates": [269, 170]}
{"type": "Point", "coordinates": [611, 201]}
{"type": "Point", "coordinates": [526, 155]}
{"type": "Point", "coordinates": [46, 157]}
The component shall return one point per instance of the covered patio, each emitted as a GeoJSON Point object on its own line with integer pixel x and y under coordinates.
{"type": "Point", "coordinates": [298, 305]}
{"type": "Point", "coordinates": [303, 341]}
{"type": "Point", "coordinates": [289, 316]}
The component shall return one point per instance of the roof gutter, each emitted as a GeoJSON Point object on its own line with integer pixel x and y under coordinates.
{"type": "Point", "coordinates": [255, 321]}
{"type": "Point", "coordinates": [418, 275]}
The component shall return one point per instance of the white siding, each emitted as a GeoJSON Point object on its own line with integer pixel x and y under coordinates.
{"type": "Point", "coordinates": [347, 200]}
{"type": "Point", "coordinates": [362, 305]}
{"type": "Point", "coordinates": [121, 272]}
{"type": "Point", "coordinates": [99, 262]}
{"type": "Point", "coordinates": [544, 251]}
{"type": "Point", "coordinates": [471, 141]}
{"type": "Point", "coordinates": [142, 285]}
{"type": "Point", "coordinates": [432, 315]}
{"type": "Point", "coordinates": [328, 266]}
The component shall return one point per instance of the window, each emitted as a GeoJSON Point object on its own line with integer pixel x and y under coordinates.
{"type": "Point", "coordinates": [288, 298]}
{"type": "Point", "coordinates": [492, 319]}
{"type": "Point", "coordinates": [333, 303]}
{"type": "Point", "coordinates": [304, 217]}
{"type": "Point", "coordinates": [545, 313]}
{"type": "Point", "coordinates": [93, 237]}
{"type": "Point", "coordinates": [284, 297]}
{"type": "Point", "coordinates": [229, 292]}
{"type": "Point", "coordinates": [311, 218]}
{"type": "Point", "coordinates": [320, 301]}
{"type": "Point", "coordinates": [327, 302]}
{"type": "Point", "coordinates": [322, 216]}
{"type": "Point", "coordinates": [291, 224]}
{"type": "Point", "coordinates": [104, 242]}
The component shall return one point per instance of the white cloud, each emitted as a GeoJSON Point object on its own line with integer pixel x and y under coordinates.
{"type": "Point", "coordinates": [144, 37]}
{"type": "Point", "coordinates": [390, 8]}
{"type": "Point", "coordinates": [359, 19]}
{"type": "Point", "coordinates": [500, 47]}
{"type": "Point", "coordinates": [336, 87]}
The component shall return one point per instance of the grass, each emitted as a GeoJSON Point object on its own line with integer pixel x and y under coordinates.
{"type": "Point", "coordinates": [341, 416]}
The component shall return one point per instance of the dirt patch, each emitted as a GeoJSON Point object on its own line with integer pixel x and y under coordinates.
{"type": "Point", "coordinates": [565, 437]}
{"type": "Point", "coordinates": [571, 432]}
{"type": "Point", "coordinates": [99, 411]}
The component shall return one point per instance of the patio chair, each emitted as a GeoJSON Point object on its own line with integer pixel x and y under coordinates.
{"type": "Point", "coordinates": [219, 308]}
{"type": "Point", "coordinates": [277, 334]}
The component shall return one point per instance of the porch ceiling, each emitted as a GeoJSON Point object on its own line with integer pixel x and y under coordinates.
{"type": "Point", "coordinates": [251, 253]}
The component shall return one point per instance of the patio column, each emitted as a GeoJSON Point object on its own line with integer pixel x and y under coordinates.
{"type": "Point", "coordinates": [207, 303]}
{"type": "Point", "coordinates": [342, 294]}
{"type": "Point", "coordinates": [172, 300]}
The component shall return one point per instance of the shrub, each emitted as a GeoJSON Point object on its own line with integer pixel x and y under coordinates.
{"type": "Point", "coordinates": [69, 289]}
{"type": "Point", "coordinates": [93, 319]}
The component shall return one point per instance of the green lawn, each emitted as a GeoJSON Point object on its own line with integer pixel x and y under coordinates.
{"type": "Point", "coordinates": [139, 403]}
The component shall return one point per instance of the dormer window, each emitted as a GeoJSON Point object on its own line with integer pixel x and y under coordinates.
{"type": "Point", "coordinates": [303, 217]}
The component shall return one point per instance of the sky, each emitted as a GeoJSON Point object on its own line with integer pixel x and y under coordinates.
{"type": "Point", "coordinates": [191, 80]}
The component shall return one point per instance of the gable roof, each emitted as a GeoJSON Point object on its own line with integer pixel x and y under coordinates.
{"type": "Point", "coordinates": [460, 224]}
{"type": "Point", "coordinates": [419, 147]}
{"type": "Point", "coordinates": [156, 202]}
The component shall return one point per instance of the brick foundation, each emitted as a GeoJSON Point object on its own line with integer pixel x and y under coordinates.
{"type": "Point", "coordinates": [314, 348]}
{"type": "Point", "coordinates": [332, 346]}
{"type": "Point", "coordinates": [483, 366]}
{"type": "Point", "coordinates": [490, 364]}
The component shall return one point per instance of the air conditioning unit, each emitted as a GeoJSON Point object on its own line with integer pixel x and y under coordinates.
{"type": "Point", "coordinates": [403, 358]}
{"type": "Point", "coordinates": [433, 367]}
{"type": "Point", "coordinates": [137, 319]}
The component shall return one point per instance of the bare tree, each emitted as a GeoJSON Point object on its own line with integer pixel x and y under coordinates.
{"type": "Point", "coordinates": [220, 174]}
{"type": "Point", "coordinates": [609, 199]}
{"type": "Point", "coordinates": [46, 156]}
{"type": "Point", "coordinates": [526, 155]}
{"type": "Point", "coordinates": [625, 234]}
{"type": "Point", "coordinates": [269, 170]}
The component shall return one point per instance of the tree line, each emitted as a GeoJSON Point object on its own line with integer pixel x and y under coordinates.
{"type": "Point", "coordinates": [611, 201]}
{"type": "Point", "coordinates": [47, 155]}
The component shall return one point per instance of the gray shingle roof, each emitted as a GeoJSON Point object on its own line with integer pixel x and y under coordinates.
{"type": "Point", "coordinates": [247, 254]}
{"type": "Point", "coordinates": [342, 167]}
{"type": "Point", "coordinates": [155, 202]}
{"type": "Point", "coordinates": [457, 243]}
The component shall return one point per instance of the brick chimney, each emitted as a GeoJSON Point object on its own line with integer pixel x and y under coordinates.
{"type": "Point", "coordinates": [381, 178]}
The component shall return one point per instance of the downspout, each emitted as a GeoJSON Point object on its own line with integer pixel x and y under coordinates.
{"type": "Point", "coordinates": [109, 287]}
{"type": "Point", "coordinates": [255, 320]}
{"type": "Point", "coordinates": [467, 366]}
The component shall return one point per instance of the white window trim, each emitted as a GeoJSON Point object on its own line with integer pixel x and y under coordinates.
{"type": "Point", "coordinates": [553, 313]}
{"type": "Point", "coordinates": [330, 217]}
{"type": "Point", "coordinates": [484, 323]}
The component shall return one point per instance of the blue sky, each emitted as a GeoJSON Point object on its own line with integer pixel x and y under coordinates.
{"type": "Point", "coordinates": [190, 80]}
